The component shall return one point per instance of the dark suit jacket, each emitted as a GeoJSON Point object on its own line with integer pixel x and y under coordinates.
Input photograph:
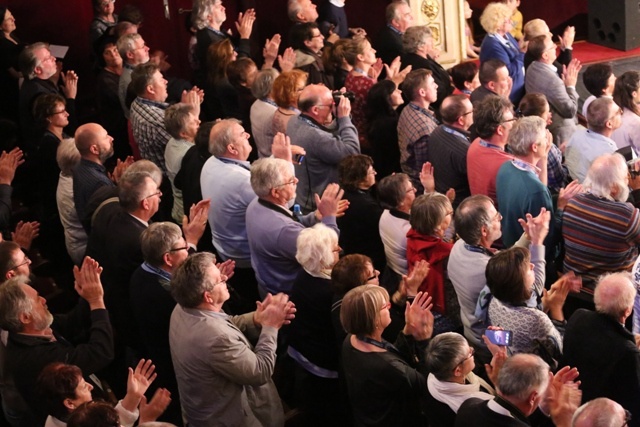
{"type": "Point", "coordinates": [440, 75]}
{"type": "Point", "coordinates": [606, 357]}
{"type": "Point", "coordinates": [388, 45]}
{"type": "Point", "coordinates": [474, 412]}
{"type": "Point", "coordinates": [481, 93]}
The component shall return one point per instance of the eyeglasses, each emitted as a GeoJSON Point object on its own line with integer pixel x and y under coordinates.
{"type": "Point", "coordinates": [26, 261]}
{"type": "Point", "coordinates": [472, 351]}
{"type": "Point", "coordinates": [386, 306]}
{"type": "Point", "coordinates": [449, 213]}
{"type": "Point", "coordinates": [464, 114]}
{"type": "Point", "coordinates": [508, 120]}
{"type": "Point", "coordinates": [291, 181]}
{"type": "Point", "coordinates": [183, 248]}
{"type": "Point", "coordinates": [411, 190]}
{"type": "Point", "coordinates": [376, 273]}
{"type": "Point", "coordinates": [326, 105]}
{"type": "Point", "coordinates": [157, 193]}
{"type": "Point", "coordinates": [58, 112]}
{"type": "Point", "coordinates": [316, 36]}
{"type": "Point", "coordinates": [627, 418]}
{"type": "Point", "coordinates": [617, 113]}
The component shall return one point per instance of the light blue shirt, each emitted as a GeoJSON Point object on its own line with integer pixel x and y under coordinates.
{"type": "Point", "coordinates": [227, 183]}
{"type": "Point", "coordinates": [583, 148]}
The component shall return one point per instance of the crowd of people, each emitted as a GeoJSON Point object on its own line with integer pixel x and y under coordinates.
{"type": "Point", "coordinates": [326, 232]}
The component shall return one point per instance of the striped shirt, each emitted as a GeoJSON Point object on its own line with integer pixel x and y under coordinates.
{"type": "Point", "coordinates": [600, 237]}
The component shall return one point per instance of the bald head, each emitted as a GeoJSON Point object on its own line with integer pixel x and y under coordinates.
{"type": "Point", "coordinates": [311, 96]}
{"type": "Point", "coordinates": [614, 295]}
{"type": "Point", "coordinates": [86, 136]}
{"type": "Point", "coordinates": [601, 412]}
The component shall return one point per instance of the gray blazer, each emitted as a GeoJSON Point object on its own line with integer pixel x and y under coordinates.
{"type": "Point", "coordinates": [563, 101]}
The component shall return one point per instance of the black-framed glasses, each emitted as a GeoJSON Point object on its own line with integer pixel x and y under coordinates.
{"type": "Point", "coordinates": [376, 274]}
{"type": "Point", "coordinates": [472, 351]}
{"type": "Point", "coordinates": [157, 193]}
{"type": "Point", "coordinates": [508, 120]}
{"type": "Point", "coordinates": [25, 261]}
{"type": "Point", "coordinates": [291, 181]}
{"type": "Point", "coordinates": [466, 114]}
{"type": "Point", "coordinates": [183, 248]}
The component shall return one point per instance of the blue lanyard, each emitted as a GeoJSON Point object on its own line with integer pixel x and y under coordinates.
{"type": "Point", "coordinates": [380, 344]}
{"type": "Point", "coordinates": [490, 145]}
{"type": "Point", "coordinates": [423, 111]}
{"type": "Point", "coordinates": [478, 249]}
{"type": "Point", "coordinates": [308, 121]}
{"type": "Point", "coordinates": [269, 101]}
{"type": "Point", "coordinates": [454, 132]}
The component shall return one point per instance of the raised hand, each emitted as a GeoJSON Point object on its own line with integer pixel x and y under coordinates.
{"type": "Point", "coordinates": [244, 24]}
{"type": "Point", "coordinates": [418, 317]}
{"type": "Point", "coordinates": [193, 227]}
{"type": "Point", "coordinates": [25, 233]}
{"type": "Point", "coordinates": [287, 60]}
{"type": "Point", "coordinates": [88, 284]}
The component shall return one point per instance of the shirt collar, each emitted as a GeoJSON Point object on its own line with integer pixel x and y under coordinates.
{"type": "Point", "coordinates": [526, 166]}
{"type": "Point", "coordinates": [339, 3]}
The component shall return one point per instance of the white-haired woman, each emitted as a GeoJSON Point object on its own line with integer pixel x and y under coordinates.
{"type": "Point", "coordinates": [312, 342]}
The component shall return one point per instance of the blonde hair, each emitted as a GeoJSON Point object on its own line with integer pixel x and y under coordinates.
{"type": "Point", "coordinates": [360, 309]}
{"type": "Point", "coordinates": [493, 16]}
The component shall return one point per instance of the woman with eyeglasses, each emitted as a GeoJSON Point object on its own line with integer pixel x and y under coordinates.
{"type": "Point", "coordinates": [103, 18]}
{"type": "Point", "coordinates": [359, 225]}
{"type": "Point", "coordinates": [383, 380]}
{"type": "Point", "coordinates": [451, 381]}
{"type": "Point", "coordinates": [430, 218]}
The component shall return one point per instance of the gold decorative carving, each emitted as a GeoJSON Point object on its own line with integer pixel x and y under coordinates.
{"type": "Point", "coordinates": [435, 33]}
{"type": "Point", "coordinates": [430, 9]}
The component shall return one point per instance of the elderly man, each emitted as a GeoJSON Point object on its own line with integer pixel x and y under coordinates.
{"type": "Point", "coordinates": [38, 67]}
{"type": "Point", "coordinates": [416, 123]}
{"type": "Point", "coordinates": [325, 146]}
{"type": "Point", "coordinates": [478, 225]}
{"type": "Point", "coordinates": [182, 123]}
{"type": "Point", "coordinates": [604, 116]}
{"type": "Point", "coordinates": [521, 387]}
{"type": "Point", "coordinates": [603, 350]}
{"type": "Point", "coordinates": [493, 118]}
{"type": "Point", "coordinates": [601, 231]}
{"type": "Point", "coordinates": [95, 146]}
{"type": "Point", "coordinates": [308, 42]}
{"type": "Point", "coordinates": [36, 337]}
{"type": "Point", "coordinates": [225, 180]}
{"type": "Point", "coordinates": [448, 146]}
{"type": "Point", "coordinates": [134, 52]}
{"type": "Point", "coordinates": [388, 42]}
{"type": "Point", "coordinates": [600, 412]}
{"type": "Point", "coordinates": [561, 93]}
{"type": "Point", "coordinates": [164, 250]}
{"type": "Point", "coordinates": [272, 229]}
{"type": "Point", "coordinates": [494, 80]}
{"type": "Point", "coordinates": [224, 364]}
{"type": "Point", "coordinates": [300, 11]}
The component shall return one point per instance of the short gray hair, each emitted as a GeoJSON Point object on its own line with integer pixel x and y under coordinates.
{"type": "Point", "coordinates": [522, 374]}
{"type": "Point", "coordinates": [525, 133]}
{"type": "Point", "coordinates": [428, 211]}
{"type": "Point", "coordinates": [266, 174]}
{"type": "Point", "coordinates": [391, 12]}
{"type": "Point", "coordinates": [190, 282]}
{"type": "Point", "coordinates": [471, 215]}
{"type": "Point", "coordinates": [444, 353]}
{"type": "Point", "coordinates": [606, 171]}
{"type": "Point", "coordinates": [415, 37]}
{"type": "Point", "coordinates": [28, 61]}
{"type": "Point", "coordinates": [598, 113]}
{"type": "Point", "coordinates": [614, 294]}
{"type": "Point", "coordinates": [175, 118]}
{"type": "Point", "coordinates": [157, 240]}
{"type": "Point", "coordinates": [67, 156]}
{"type": "Point", "coordinates": [132, 184]}
{"type": "Point", "coordinates": [293, 8]}
{"type": "Point", "coordinates": [261, 87]}
{"type": "Point", "coordinates": [221, 136]}
{"type": "Point", "coordinates": [13, 303]}
{"type": "Point", "coordinates": [315, 248]}
{"type": "Point", "coordinates": [200, 13]}
{"type": "Point", "coordinates": [126, 44]}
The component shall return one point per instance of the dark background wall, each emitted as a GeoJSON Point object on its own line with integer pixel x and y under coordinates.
{"type": "Point", "coordinates": [66, 22]}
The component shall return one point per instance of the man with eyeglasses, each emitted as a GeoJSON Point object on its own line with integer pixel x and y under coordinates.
{"type": "Point", "coordinates": [603, 116]}
{"type": "Point", "coordinates": [493, 118]}
{"type": "Point", "coordinates": [39, 67]}
{"type": "Point", "coordinates": [604, 351]}
{"type": "Point", "coordinates": [325, 142]}
{"type": "Point", "coordinates": [448, 146]}
{"type": "Point", "coordinates": [272, 229]}
{"type": "Point", "coordinates": [602, 412]}
{"type": "Point", "coordinates": [308, 42]}
{"type": "Point", "coordinates": [223, 363]}
{"type": "Point", "coordinates": [542, 77]}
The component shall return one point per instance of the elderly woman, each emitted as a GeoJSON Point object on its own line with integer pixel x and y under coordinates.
{"type": "Point", "coordinates": [75, 236]}
{"type": "Point", "coordinates": [431, 216]}
{"type": "Point", "coordinates": [312, 342]}
{"type": "Point", "coordinates": [376, 369]}
{"type": "Point", "coordinates": [63, 389]}
{"type": "Point", "coordinates": [262, 110]}
{"type": "Point", "coordinates": [359, 224]}
{"type": "Point", "coordinates": [381, 126]}
{"type": "Point", "coordinates": [512, 280]}
{"type": "Point", "coordinates": [500, 44]}
{"type": "Point", "coordinates": [286, 89]}
{"type": "Point", "coordinates": [627, 95]}
{"type": "Point", "coordinates": [451, 380]}
{"type": "Point", "coordinates": [103, 18]}
{"type": "Point", "coordinates": [535, 104]}
{"type": "Point", "coordinates": [420, 52]}
{"type": "Point", "coordinates": [537, 27]}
